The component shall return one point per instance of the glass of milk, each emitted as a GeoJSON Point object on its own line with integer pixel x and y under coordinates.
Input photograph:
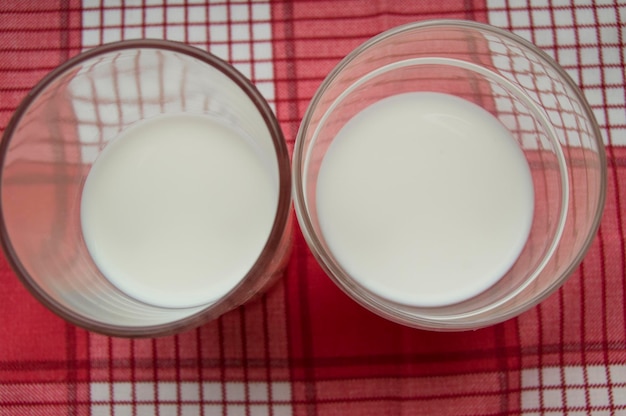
{"type": "Point", "coordinates": [449, 175]}
{"type": "Point", "coordinates": [145, 189]}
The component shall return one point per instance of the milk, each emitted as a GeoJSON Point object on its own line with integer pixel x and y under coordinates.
{"type": "Point", "coordinates": [425, 199]}
{"type": "Point", "coordinates": [176, 210]}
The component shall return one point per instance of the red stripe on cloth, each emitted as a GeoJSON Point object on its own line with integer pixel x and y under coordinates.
{"type": "Point", "coordinates": [248, 345]}
{"type": "Point", "coordinates": [311, 37]}
{"type": "Point", "coordinates": [37, 346]}
{"type": "Point", "coordinates": [584, 325]}
{"type": "Point", "coordinates": [49, 32]}
{"type": "Point", "coordinates": [331, 337]}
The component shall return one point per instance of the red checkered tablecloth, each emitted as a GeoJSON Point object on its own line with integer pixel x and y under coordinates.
{"type": "Point", "coordinates": [304, 348]}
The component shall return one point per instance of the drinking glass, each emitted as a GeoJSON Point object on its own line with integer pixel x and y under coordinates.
{"type": "Point", "coordinates": [58, 132]}
{"type": "Point", "coordinates": [529, 94]}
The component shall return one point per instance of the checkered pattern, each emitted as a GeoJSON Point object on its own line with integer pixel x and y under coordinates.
{"type": "Point", "coordinates": [543, 87]}
{"type": "Point", "coordinates": [191, 398]}
{"type": "Point", "coordinates": [239, 32]}
{"type": "Point", "coordinates": [577, 390]}
{"type": "Point", "coordinates": [587, 39]}
{"type": "Point", "coordinates": [574, 363]}
{"type": "Point", "coordinates": [305, 348]}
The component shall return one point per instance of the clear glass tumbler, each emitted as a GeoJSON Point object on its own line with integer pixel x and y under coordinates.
{"type": "Point", "coordinates": [61, 128]}
{"type": "Point", "coordinates": [529, 94]}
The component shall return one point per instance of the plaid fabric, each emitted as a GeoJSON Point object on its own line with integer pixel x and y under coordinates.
{"type": "Point", "coordinates": [304, 348]}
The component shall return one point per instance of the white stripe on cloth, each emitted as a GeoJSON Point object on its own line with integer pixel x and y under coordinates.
{"type": "Point", "coordinates": [187, 398]}
{"type": "Point", "coordinates": [239, 33]}
{"type": "Point", "coordinates": [584, 40]}
{"type": "Point", "coordinates": [593, 389]}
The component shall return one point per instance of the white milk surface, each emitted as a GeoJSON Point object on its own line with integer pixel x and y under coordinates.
{"type": "Point", "coordinates": [425, 199]}
{"type": "Point", "coordinates": [176, 210]}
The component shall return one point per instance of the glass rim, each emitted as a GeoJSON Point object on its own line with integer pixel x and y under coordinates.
{"type": "Point", "coordinates": [348, 284]}
{"type": "Point", "coordinates": [281, 152]}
